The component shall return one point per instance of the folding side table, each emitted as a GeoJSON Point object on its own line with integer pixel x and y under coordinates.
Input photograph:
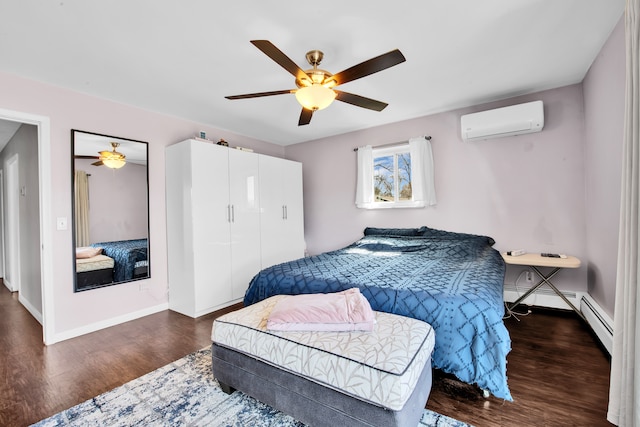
{"type": "Point", "coordinates": [534, 261]}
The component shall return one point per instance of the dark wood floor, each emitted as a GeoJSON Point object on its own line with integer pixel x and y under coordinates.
{"type": "Point", "coordinates": [558, 374]}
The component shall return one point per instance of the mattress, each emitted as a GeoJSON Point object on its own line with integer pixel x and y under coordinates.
{"type": "Point", "coordinates": [380, 367]}
{"type": "Point", "coordinates": [98, 262]}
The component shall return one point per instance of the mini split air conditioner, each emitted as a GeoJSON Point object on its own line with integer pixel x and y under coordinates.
{"type": "Point", "coordinates": [506, 121]}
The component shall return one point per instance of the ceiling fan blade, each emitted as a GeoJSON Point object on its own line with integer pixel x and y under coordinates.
{"type": "Point", "coordinates": [280, 58]}
{"type": "Point", "coordinates": [305, 117]}
{"type": "Point", "coordinates": [259, 94]}
{"type": "Point", "coordinates": [98, 163]}
{"type": "Point", "coordinates": [80, 156]}
{"type": "Point", "coordinates": [370, 66]}
{"type": "Point", "coordinates": [360, 101]}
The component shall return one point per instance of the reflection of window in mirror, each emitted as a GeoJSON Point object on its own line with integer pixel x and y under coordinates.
{"type": "Point", "coordinates": [110, 206]}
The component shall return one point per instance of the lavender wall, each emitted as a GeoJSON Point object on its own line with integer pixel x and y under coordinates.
{"type": "Point", "coordinates": [117, 200]}
{"type": "Point", "coordinates": [604, 93]}
{"type": "Point", "coordinates": [71, 110]}
{"type": "Point", "coordinates": [526, 191]}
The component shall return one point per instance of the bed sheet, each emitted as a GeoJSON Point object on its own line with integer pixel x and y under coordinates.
{"type": "Point", "coordinates": [125, 253]}
{"type": "Point", "coordinates": [453, 281]}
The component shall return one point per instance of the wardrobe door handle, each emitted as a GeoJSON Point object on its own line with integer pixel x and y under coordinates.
{"type": "Point", "coordinates": [233, 213]}
{"type": "Point", "coordinates": [228, 213]}
{"type": "Point", "coordinates": [286, 212]}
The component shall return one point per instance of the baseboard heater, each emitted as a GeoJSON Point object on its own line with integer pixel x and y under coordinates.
{"type": "Point", "coordinates": [599, 321]}
{"type": "Point", "coordinates": [542, 297]}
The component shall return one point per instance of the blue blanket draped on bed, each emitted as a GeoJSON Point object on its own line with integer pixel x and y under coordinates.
{"type": "Point", "coordinates": [125, 254]}
{"type": "Point", "coordinates": [453, 281]}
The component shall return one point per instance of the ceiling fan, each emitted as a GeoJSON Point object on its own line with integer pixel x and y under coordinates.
{"type": "Point", "coordinates": [110, 159]}
{"type": "Point", "coordinates": [316, 86]}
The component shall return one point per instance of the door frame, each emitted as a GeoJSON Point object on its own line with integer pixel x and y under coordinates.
{"type": "Point", "coordinates": [3, 258]}
{"type": "Point", "coordinates": [12, 232]}
{"type": "Point", "coordinates": [43, 124]}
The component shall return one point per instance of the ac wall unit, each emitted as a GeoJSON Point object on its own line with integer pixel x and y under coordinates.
{"type": "Point", "coordinates": [505, 121]}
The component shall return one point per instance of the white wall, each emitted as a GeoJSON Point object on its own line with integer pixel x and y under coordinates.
{"type": "Point", "coordinates": [525, 191]}
{"type": "Point", "coordinates": [75, 312]}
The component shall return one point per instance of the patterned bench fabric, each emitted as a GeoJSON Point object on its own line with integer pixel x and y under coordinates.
{"type": "Point", "coordinates": [380, 367]}
{"type": "Point", "coordinates": [453, 281]}
{"type": "Point", "coordinates": [98, 262]}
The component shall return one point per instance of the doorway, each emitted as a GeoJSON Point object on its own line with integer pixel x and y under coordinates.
{"type": "Point", "coordinates": [44, 218]}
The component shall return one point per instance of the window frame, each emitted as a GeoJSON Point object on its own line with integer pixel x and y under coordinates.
{"type": "Point", "coordinates": [393, 151]}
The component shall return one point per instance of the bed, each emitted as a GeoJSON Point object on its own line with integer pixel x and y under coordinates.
{"type": "Point", "coordinates": [94, 271]}
{"type": "Point", "coordinates": [126, 254]}
{"type": "Point", "coordinates": [453, 281]}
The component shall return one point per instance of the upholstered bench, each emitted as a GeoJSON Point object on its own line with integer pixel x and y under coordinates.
{"type": "Point", "coordinates": [378, 378]}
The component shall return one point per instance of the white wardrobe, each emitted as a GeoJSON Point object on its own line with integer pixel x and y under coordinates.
{"type": "Point", "coordinates": [230, 213]}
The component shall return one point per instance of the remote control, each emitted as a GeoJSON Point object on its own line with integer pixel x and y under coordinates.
{"type": "Point", "coordinates": [516, 253]}
{"type": "Point", "coordinates": [550, 255]}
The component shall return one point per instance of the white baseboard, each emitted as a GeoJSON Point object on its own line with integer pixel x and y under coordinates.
{"type": "Point", "coordinates": [107, 323]}
{"type": "Point", "coordinates": [542, 297]}
{"type": "Point", "coordinates": [600, 322]}
{"type": "Point", "coordinates": [30, 308]}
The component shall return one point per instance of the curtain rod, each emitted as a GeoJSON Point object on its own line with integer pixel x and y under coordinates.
{"type": "Point", "coordinates": [428, 138]}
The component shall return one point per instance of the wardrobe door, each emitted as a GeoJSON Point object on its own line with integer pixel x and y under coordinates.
{"type": "Point", "coordinates": [281, 206]}
{"type": "Point", "coordinates": [293, 229]}
{"type": "Point", "coordinates": [179, 228]}
{"type": "Point", "coordinates": [244, 193]}
{"type": "Point", "coordinates": [211, 226]}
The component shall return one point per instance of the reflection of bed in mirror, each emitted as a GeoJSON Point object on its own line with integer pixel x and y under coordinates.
{"type": "Point", "coordinates": [129, 257]}
{"type": "Point", "coordinates": [93, 271]}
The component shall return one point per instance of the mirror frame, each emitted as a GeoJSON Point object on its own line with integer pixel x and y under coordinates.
{"type": "Point", "coordinates": [74, 132]}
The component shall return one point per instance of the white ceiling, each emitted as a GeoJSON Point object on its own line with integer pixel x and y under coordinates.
{"type": "Point", "coordinates": [182, 57]}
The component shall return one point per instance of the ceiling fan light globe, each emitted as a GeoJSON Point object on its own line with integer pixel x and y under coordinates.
{"type": "Point", "coordinates": [315, 97]}
{"type": "Point", "coordinates": [114, 163]}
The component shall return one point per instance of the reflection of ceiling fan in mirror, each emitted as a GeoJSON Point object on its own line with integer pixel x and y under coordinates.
{"type": "Point", "coordinates": [110, 159]}
{"type": "Point", "coordinates": [316, 87]}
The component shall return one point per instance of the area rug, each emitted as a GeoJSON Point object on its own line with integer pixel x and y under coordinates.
{"type": "Point", "coordinates": [185, 393]}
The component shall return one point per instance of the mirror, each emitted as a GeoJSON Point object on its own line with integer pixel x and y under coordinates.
{"type": "Point", "coordinates": [110, 201]}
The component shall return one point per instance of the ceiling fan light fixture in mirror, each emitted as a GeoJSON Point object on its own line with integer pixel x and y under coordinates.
{"type": "Point", "coordinates": [114, 163]}
{"type": "Point", "coordinates": [315, 97]}
{"type": "Point", "coordinates": [113, 159]}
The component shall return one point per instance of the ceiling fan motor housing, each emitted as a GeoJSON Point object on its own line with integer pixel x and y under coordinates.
{"type": "Point", "coordinates": [315, 74]}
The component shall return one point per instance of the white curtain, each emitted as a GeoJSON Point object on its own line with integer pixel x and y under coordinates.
{"type": "Point", "coordinates": [422, 174]}
{"type": "Point", "coordinates": [364, 180]}
{"type": "Point", "coordinates": [82, 208]}
{"type": "Point", "coordinates": [624, 387]}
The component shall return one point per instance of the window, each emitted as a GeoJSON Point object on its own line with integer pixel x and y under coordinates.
{"type": "Point", "coordinates": [396, 177]}
{"type": "Point", "coordinates": [392, 175]}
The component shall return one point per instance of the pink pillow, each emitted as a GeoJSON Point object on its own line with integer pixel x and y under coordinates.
{"type": "Point", "coordinates": [87, 252]}
{"type": "Point", "coordinates": [341, 311]}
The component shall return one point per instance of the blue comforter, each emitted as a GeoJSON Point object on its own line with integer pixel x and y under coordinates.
{"type": "Point", "coordinates": [125, 254]}
{"type": "Point", "coordinates": [452, 281]}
